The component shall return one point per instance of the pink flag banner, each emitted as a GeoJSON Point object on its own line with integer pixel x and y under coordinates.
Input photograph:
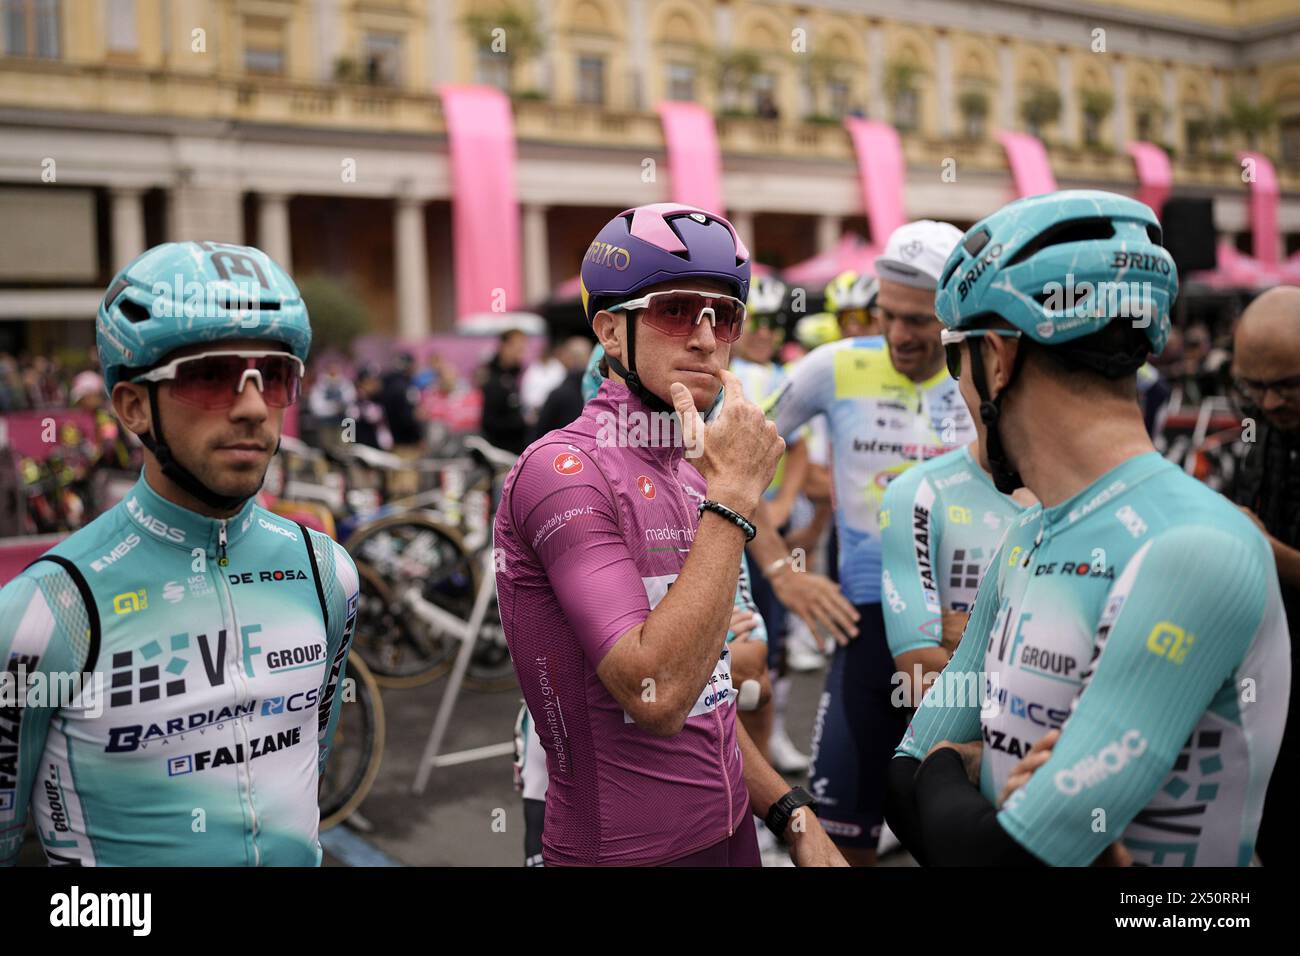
{"type": "Point", "coordinates": [26, 431]}
{"type": "Point", "coordinates": [1155, 175]}
{"type": "Point", "coordinates": [17, 553]}
{"type": "Point", "coordinates": [694, 160]}
{"type": "Point", "coordinates": [1264, 196]}
{"type": "Point", "coordinates": [485, 210]}
{"type": "Point", "coordinates": [880, 171]}
{"type": "Point", "coordinates": [1030, 170]}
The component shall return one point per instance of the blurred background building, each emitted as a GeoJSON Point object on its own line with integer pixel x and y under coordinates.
{"type": "Point", "coordinates": [315, 129]}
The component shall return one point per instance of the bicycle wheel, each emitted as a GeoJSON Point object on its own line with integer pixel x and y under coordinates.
{"type": "Point", "coordinates": [395, 555]}
{"type": "Point", "coordinates": [358, 746]}
{"type": "Point", "coordinates": [490, 667]}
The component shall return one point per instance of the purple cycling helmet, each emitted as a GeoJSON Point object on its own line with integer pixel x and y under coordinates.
{"type": "Point", "coordinates": [646, 245]}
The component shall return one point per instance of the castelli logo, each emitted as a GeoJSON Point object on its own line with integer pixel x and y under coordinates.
{"type": "Point", "coordinates": [646, 487]}
{"type": "Point", "coordinates": [567, 464]}
{"type": "Point", "coordinates": [912, 249]}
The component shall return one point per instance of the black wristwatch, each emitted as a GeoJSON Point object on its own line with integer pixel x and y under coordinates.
{"type": "Point", "coordinates": [778, 817]}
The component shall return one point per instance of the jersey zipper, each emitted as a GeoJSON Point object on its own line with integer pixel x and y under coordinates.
{"type": "Point", "coordinates": [240, 682]}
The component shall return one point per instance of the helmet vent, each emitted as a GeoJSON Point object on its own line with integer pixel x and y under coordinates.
{"type": "Point", "coordinates": [134, 311]}
{"type": "Point", "coordinates": [1072, 230]}
{"type": "Point", "coordinates": [1153, 233]}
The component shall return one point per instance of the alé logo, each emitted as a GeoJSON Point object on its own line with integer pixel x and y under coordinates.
{"type": "Point", "coordinates": [164, 668]}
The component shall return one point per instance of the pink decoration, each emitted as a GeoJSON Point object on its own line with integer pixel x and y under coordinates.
{"type": "Point", "coordinates": [694, 160]}
{"type": "Point", "coordinates": [1030, 169]}
{"type": "Point", "coordinates": [880, 170]}
{"type": "Point", "coordinates": [485, 212]}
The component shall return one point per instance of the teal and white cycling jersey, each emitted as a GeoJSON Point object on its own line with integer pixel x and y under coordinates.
{"type": "Point", "coordinates": [1143, 618]}
{"type": "Point", "coordinates": [213, 651]}
{"type": "Point", "coordinates": [940, 524]}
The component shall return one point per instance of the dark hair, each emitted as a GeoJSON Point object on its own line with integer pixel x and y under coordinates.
{"type": "Point", "coordinates": [1108, 358]}
{"type": "Point", "coordinates": [508, 334]}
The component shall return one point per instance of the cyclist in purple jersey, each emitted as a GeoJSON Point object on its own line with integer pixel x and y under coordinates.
{"type": "Point", "coordinates": [630, 682]}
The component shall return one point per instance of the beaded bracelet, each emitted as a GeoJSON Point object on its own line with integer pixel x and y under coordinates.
{"type": "Point", "coordinates": [736, 519]}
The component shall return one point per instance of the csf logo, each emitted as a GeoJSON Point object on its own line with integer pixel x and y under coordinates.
{"type": "Point", "coordinates": [1170, 641]}
{"type": "Point", "coordinates": [884, 518]}
{"type": "Point", "coordinates": [130, 602]}
{"type": "Point", "coordinates": [567, 464]}
{"type": "Point", "coordinates": [1014, 556]}
{"type": "Point", "coordinates": [646, 487]}
{"type": "Point", "coordinates": [959, 515]}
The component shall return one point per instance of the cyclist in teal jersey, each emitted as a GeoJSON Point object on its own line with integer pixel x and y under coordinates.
{"type": "Point", "coordinates": [940, 524]}
{"type": "Point", "coordinates": [200, 638]}
{"type": "Point", "coordinates": [889, 404]}
{"type": "Point", "coordinates": [1125, 672]}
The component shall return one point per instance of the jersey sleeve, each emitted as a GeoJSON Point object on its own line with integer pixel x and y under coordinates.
{"type": "Point", "coordinates": [563, 509]}
{"type": "Point", "coordinates": [342, 587]}
{"type": "Point", "coordinates": [950, 709]}
{"type": "Point", "coordinates": [909, 533]}
{"type": "Point", "coordinates": [807, 391]}
{"type": "Point", "coordinates": [44, 630]}
{"type": "Point", "coordinates": [1176, 625]}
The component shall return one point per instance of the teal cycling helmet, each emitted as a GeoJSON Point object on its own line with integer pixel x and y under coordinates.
{"type": "Point", "coordinates": [141, 320]}
{"type": "Point", "coordinates": [186, 293]}
{"type": "Point", "coordinates": [1028, 263]}
{"type": "Point", "coordinates": [1059, 267]}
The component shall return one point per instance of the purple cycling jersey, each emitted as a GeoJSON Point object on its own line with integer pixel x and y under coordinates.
{"type": "Point", "coordinates": [595, 523]}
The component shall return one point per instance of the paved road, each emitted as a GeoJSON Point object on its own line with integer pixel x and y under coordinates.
{"type": "Point", "coordinates": [453, 823]}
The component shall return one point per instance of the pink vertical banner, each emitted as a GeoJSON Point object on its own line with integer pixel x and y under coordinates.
{"type": "Point", "coordinates": [484, 208]}
{"type": "Point", "coordinates": [880, 170]}
{"type": "Point", "coordinates": [1264, 195]}
{"type": "Point", "coordinates": [1030, 170]}
{"type": "Point", "coordinates": [694, 160]}
{"type": "Point", "coordinates": [1155, 176]}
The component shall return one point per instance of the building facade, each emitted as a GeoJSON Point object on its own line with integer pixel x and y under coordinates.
{"type": "Point", "coordinates": [314, 129]}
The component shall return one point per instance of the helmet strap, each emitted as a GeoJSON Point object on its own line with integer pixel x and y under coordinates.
{"type": "Point", "coordinates": [1005, 476]}
{"type": "Point", "coordinates": [177, 472]}
{"type": "Point", "coordinates": [629, 375]}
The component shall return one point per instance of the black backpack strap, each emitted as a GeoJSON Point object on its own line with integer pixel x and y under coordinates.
{"type": "Point", "coordinates": [88, 599]}
{"type": "Point", "coordinates": [315, 572]}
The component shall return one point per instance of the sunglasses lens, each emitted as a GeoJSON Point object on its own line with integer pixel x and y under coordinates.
{"type": "Point", "coordinates": [953, 352]}
{"type": "Point", "coordinates": [674, 313]}
{"type": "Point", "coordinates": [211, 382]}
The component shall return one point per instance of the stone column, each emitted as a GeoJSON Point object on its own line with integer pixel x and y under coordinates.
{"type": "Point", "coordinates": [1070, 125]}
{"type": "Point", "coordinates": [412, 268]}
{"type": "Point", "coordinates": [1008, 106]}
{"type": "Point", "coordinates": [537, 263]}
{"type": "Point", "coordinates": [127, 213]}
{"type": "Point", "coordinates": [1119, 79]}
{"type": "Point", "coordinates": [828, 232]}
{"type": "Point", "coordinates": [273, 228]}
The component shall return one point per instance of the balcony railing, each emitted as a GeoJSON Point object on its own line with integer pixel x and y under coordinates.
{"type": "Point", "coordinates": [125, 89]}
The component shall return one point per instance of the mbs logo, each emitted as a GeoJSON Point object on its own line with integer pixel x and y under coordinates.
{"type": "Point", "coordinates": [1170, 641]}
{"type": "Point", "coordinates": [131, 601]}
